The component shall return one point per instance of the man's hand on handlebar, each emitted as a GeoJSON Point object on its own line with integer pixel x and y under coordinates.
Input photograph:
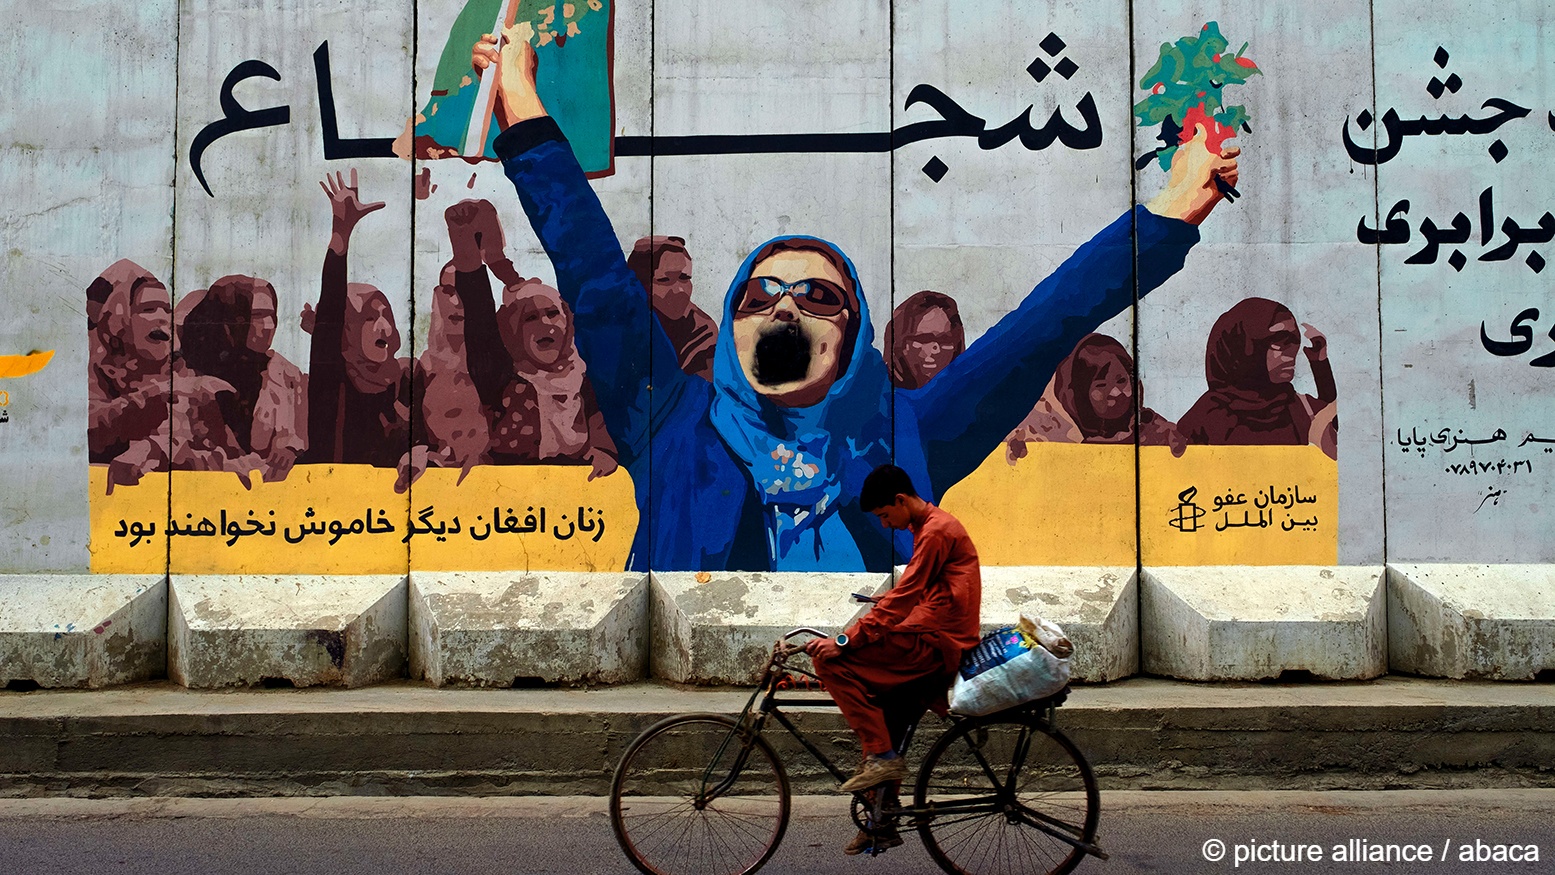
{"type": "Point", "coordinates": [822, 649]}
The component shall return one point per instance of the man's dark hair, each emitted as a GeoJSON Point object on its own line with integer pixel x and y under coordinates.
{"type": "Point", "coordinates": [882, 486]}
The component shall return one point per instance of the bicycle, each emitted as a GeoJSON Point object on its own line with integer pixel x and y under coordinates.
{"type": "Point", "coordinates": [996, 795]}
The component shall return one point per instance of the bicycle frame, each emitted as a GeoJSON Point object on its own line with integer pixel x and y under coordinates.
{"type": "Point", "coordinates": [753, 720]}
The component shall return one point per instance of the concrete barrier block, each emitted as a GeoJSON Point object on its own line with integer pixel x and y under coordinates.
{"type": "Point", "coordinates": [503, 629]}
{"type": "Point", "coordinates": [307, 630]}
{"type": "Point", "coordinates": [1097, 607]}
{"type": "Point", "coordinates": [1254, 622]}
{"type": "Point", "coordinates": [718, 627]}
{"type": "Point", "coordinates": [1472, 621]}
{"type": "Point", "coordinates": [80, 630]}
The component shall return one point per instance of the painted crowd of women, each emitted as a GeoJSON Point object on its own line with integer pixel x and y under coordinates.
{"type": "Point", "coordinates": [500, 380]}
{"type": "Point", "coordinates": [200, 388]}
{"type": "Point", "coordinates": [1249, 366]}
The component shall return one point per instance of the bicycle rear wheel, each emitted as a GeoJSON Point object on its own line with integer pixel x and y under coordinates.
{"type": "Point", "coordinates": [1007, 795]}
{"type": "Point", "coordinates": [696, 794]}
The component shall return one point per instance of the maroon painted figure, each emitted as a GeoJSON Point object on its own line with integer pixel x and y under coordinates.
{"type": "Point", "coordinates": [259, 418]}
{"type": "Point", "coordinates": [1091, 400]}
{"type": "Point", "coordinates": [917, 630]}
{"type": "Point", "coordinates": [1249, 362]}
{"type": "Point", "coordinates": [663, 266]}
{"type": "Point", "coordinates": [925, 335]}
{"type": "Point", "coordinates": [360, 391]}
{"type": "Point", "coordinates": [522, 363]}
{"type": "Point", "coordinates": [129, 321]}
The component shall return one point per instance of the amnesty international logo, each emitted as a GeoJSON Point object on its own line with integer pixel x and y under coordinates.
{"type": "Point", "coordinates": [1186, 515]}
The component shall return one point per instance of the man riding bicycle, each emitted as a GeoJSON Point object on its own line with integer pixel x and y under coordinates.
{"type": "Point", "coordinates": [916, 631]}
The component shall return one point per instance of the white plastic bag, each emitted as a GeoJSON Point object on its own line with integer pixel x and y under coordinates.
{"type": "Point", "coordinates": [1048, 634]}
{"type": "Point", "coordinates": [1032, 674]}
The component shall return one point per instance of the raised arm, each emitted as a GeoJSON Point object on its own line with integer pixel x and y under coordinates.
{"type": "Point", "coordinates": [614, 328]}
{"type": "Point", "coordinates": [966, 411]}
{"type": "Point", "coordinates": [486, 357]}
{"type": "Point", "coordinates": [326, 323]}
{"type": "Point", "coordinates": [1322, 369]}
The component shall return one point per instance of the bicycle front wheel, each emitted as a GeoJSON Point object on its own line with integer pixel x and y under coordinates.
{"type": "Point", "coordinates": [1006, 795]}
{"type": "Point", "coordinates": [697, 794]}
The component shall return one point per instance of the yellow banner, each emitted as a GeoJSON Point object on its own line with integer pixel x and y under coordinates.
{"type": "Point", "coordinates": [127, 530]}
{"type": "Point", "coordinates": [1074, 504]}
{"type": "Point", "coordinates": [347, 519]}
{"type": "Point", "coordinates": [1239, 506]}
{"type": "Point", "coordinates": [1062, 504]}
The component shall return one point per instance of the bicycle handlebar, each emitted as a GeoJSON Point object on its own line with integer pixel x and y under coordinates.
{"type": "Point", "coordinates": [782, 650]}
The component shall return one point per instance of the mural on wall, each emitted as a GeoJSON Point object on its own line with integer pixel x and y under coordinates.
{"type": "Point", "coordinates": [1186, 91]}
{"type": "Point", "coordinates": [460, 117]}
{"type": "Point", "coordinates": [1459, 138]}
{"type": "Point", "coordinates": [495, 385]}
{"type": "Point", "coordinates": [784, 404]}
{"type": "Point", "coordinates": [1091, 400]}
{"type": "Point", "coordinates": [663, 265]}
{"type": "Point", "coordinates": [925, 335]}
{"type": "Point", "coordinates": [507, 361]}
{"type": "Point", "coordinates": [1249, 473]}
{"type": "Point", "coordinates": [20, 366]}
{"type": "Point", "coordinates": [1249, 364]}
{"type": "Point", "coordinates": [129, 324]}
{"type": "Point", "coordinates": [768, 457]}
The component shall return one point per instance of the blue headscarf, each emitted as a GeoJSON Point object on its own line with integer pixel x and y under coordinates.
{"type": "Point", "coordinates": [806, 463]}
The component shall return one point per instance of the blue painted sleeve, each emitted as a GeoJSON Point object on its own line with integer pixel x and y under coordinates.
{"type": "Point", "coordinates": [966, 411]}
{"type": "Point", "coordinates": [612, 323]}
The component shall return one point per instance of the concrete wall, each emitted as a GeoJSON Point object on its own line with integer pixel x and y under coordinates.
{"type": "Point", "coordinates": [1443, 454]}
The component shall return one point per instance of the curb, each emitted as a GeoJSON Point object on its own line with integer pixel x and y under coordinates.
{"type": "Point", "coordinates": [409, 740]}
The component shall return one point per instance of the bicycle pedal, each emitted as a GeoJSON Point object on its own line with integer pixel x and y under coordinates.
{"type": "Point", "coordinates": [881, 845]}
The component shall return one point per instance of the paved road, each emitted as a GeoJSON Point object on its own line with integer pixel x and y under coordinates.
{"type": "Point", "coordinates": [1144, 832]}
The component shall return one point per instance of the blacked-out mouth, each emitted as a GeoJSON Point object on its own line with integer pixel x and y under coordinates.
{"type": "Point", "coordinates": [159, 335]}
{"type": "Point", "coordinates": [782, 355]}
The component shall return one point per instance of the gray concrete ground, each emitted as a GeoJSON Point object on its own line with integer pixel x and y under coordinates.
{"type": "Point", "coordinates": [1145, 832]}
{"type": "Point", "coordinates": [405, 739]}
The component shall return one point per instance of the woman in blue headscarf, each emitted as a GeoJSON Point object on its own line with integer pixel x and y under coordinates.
{"type": "Point", "coordinates": [761, 468]}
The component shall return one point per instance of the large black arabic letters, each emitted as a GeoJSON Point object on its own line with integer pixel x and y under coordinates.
{"type": "Point", "coordinates": [954, 121]}
{"type": "Point", "coordinates": [1398, 129]}
{"type": "Point", "coordinates": [1395, 230]}
{"type": "Point", "coordinates": [1522, 332]}
{"type": "Point", "coordinates": [957, 122]}
{"type": "Point", "coordinates": [1435, 237]}
{"type": "Point", "coordinates": [236, 118]}
{"type": "Point", "coordinates": [334, 146]}
{"type": "Point", "coordinates": [1516, 235]}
